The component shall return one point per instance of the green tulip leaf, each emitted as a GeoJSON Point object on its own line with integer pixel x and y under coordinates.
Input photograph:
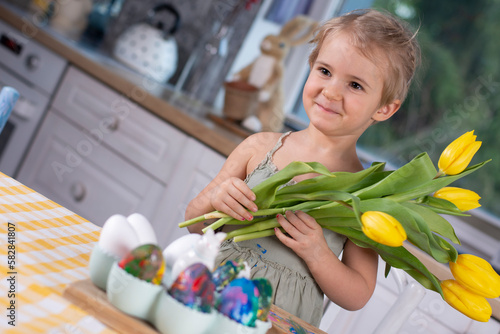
{"type": "Point", "coordinates": [435, 222]}
{"type": "Point", "coordinates": [397, 257]}
{"type": "Point", "coordinates": [439, 203]}
{"type": "Point", "coordinates": [417, 171]}
{"type": "Point", "coordinates": [452, 252]}
{"type": "Point", "coordinates": [433, 185]}
{"type": "Point", "coordinates": [343, 181]}
{"type": "Point", "coordinates": [339, 222]}
{"type": "Point", "coordinates": [416, 228]}
{"type": "Point", "coordinates": [266, 190]}
{"type": "Point", "coordinates": [332, 211]}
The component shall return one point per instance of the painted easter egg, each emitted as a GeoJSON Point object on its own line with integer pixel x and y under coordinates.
{"type": "Point", "coordinates": [194, 288]}
{"type": "Point", "coordinates": [226, 272]}
{"type": "Point", "coordinates": [265, 297]}
{"type": "Point", "coordinates": [239, 300]}
{"type": "Point", "coordinates": [145, 262]}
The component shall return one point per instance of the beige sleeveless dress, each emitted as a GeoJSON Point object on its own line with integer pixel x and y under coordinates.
{"type": "Point", "coordinates": [294, 288]}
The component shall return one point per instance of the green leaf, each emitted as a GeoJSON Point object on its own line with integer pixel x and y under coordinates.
{"type": "Point", "coordinates": [329, 195]}
{"type": "Point", "coordinates": [435, 248]}
{"type": "Point", "coordinates": [398, 257]}
{"type": "Point", "coordinates": [440, 205]}
{"type": "Point", "coordinates": [447, 246]}
{"type": "Point", "coordinates": [435, 222]}
{"type": "Point", "coordinates": [343, 181]}
{"type": "Point", "coordinates": [416, 228]}
{"type": "Point", "coordinates": [413, 174]}
{"type": "Point", "coordinates": [266, 190]}
{"type": "Point", "coordinates": [433, 185]}
{"type": "Point", "coordinates": [332, 211]}
{"type": "Point", "coordinates": [339, 222]}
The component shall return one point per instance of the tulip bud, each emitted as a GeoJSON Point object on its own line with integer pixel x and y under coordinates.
{"type": "Point", "coordinates": [463, 300]}
{"type": "Point", "coordinates": [383, 228]}
{"type": "Point", "coordinates": [477, 275]}
{"type": "Point", "coordinates": [457, 156]}
{"type": "Point", "coordinates": [464, 199]}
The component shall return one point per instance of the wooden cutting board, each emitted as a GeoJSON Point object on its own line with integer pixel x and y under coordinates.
{"type": "Point", "coordinates": [94, 301]}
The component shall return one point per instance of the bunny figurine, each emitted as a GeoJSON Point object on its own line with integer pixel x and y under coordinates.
{"type": "Point", "coordinates": [266, 71]}
{"type": "Point", "coordinates": [202, 250]}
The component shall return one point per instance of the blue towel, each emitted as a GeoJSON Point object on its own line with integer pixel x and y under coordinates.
{"type": "Point", "coordinates": [8, 97]}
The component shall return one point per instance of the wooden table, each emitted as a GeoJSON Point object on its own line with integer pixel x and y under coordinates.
{"type": "Point", "coordinates": [44, 256]}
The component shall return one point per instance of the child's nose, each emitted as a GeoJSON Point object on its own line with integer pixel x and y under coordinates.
{"type": "Point", "coordinates": [332, 91]}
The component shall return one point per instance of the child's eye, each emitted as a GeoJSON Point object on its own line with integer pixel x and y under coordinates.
{"type": "Point", "coordinates": [356, 86]}
{"type": "Point", "coordinates": [324, 71]}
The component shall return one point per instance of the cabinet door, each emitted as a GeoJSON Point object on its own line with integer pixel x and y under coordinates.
{"type": "Point", "coordinates": [120, 124]}
{"type": "Point", "coordinates": [78, 172]}
{"type": "Point", "coordinates": [197, 167]}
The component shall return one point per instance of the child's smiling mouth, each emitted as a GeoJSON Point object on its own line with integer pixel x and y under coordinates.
{"type": "Point", "coordinates": [322, 107]}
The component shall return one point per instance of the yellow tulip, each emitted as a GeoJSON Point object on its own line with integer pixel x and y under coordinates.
{"type": "Point", "coordinates": [464, 199]}
{"type": "Point", "coordinates": [463, 300]}
{"type": "Point", "coordinates": [457, 156]}
{"type": "Point", "coordinates": [477, 275]}
{"type": "Point", "coordinates": [383, 228]}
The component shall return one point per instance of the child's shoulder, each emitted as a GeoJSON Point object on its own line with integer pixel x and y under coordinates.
{"type": "Point", "coordinates": [261, 141]}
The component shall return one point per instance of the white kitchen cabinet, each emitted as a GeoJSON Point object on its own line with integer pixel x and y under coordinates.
{"type": "Point", "coordinates": [98, 154]}
{"type": "Point", "coordinates": [143, 138]}
{"type": "Point", "coordinates": [68, 167]}
{"type": "Point", "coordinates": [195, 170]}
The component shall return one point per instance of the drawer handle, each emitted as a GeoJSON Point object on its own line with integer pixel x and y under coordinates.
{"type": "Point", "coordinates": [78, 191]}
{"type": "Point", "coordinates": [112, 123]}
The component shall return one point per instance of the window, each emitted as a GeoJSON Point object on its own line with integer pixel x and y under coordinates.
{"type": "Point", "coordinates": [457, 89]}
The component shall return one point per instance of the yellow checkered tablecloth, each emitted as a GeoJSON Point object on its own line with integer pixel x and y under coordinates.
{"type": "Point", "coordinates": [43, 248]}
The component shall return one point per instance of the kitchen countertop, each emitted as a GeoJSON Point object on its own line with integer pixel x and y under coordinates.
{"type": "Point", "coordinates": [187, 115]}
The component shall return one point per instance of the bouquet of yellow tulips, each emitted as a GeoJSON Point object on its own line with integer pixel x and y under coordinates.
{"type": "Point", "coordinates": [381, 209]}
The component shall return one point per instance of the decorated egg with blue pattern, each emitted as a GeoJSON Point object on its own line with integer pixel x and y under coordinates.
{"type": "Point", "coordinates": [239, 300]}
{"type": "Point", "coordinates": [226, 272]}
{"type": "Point", "coordinates": [265, 297]}
{"type": "Point", "coordinates": [194, 288]}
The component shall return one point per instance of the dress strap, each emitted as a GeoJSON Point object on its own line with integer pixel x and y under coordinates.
{"type": "Point", "coordinates": [267, 163]}
{"type": "Point", "coordinates": [278, 144]}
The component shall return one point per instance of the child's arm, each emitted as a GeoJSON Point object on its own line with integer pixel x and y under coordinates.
{"type": "Point", "coordinates": [348, 283]}
{"type": "Point", "coordinates": [227, 192]}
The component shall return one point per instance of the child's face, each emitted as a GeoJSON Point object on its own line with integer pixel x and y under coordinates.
{"type": "Point", "coordinates": [344, 89]}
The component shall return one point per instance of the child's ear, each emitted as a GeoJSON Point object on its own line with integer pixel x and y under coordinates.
{"type": "Point", "coordinates": [386, 111]}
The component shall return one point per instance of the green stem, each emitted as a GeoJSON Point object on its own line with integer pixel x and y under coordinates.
{"type": "Point", "coordinates": [254, 235]}
{"type": "Point", "coordinates": [260, 226]}
{"type": "Point", "coordinates": [215, 225]}
{"type": "Point", "coordinates": [439, 174]}
{"type": "Point", "coordinates": [199, 219]}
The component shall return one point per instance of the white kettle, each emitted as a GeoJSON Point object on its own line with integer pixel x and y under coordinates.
{"type": "Point", "coordinates": [150, 49]}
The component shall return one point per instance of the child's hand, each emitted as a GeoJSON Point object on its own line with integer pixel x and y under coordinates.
{"type": "Point", "coordinates": [235, 198]}
{"type": "Point", "coordinates": [305, 238]}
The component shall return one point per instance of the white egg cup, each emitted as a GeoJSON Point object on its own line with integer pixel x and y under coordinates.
{"type": "Point", "coordinates": [152, 303]}
{"type": "Point", "coordinates": [132, 295]}
{"type": "Point", "coordinates": [172, 317]}
{"type": "Point", "coordinates": [225, 325]}
{"type": "Point", "coordinates": [100, 265]}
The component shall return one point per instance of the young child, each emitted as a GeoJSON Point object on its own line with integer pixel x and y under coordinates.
{"type": "Point", "coordinates": [361, 68]}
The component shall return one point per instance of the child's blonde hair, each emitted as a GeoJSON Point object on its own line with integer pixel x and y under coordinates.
{"type": "Point", "coordinates": [375, 33]}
